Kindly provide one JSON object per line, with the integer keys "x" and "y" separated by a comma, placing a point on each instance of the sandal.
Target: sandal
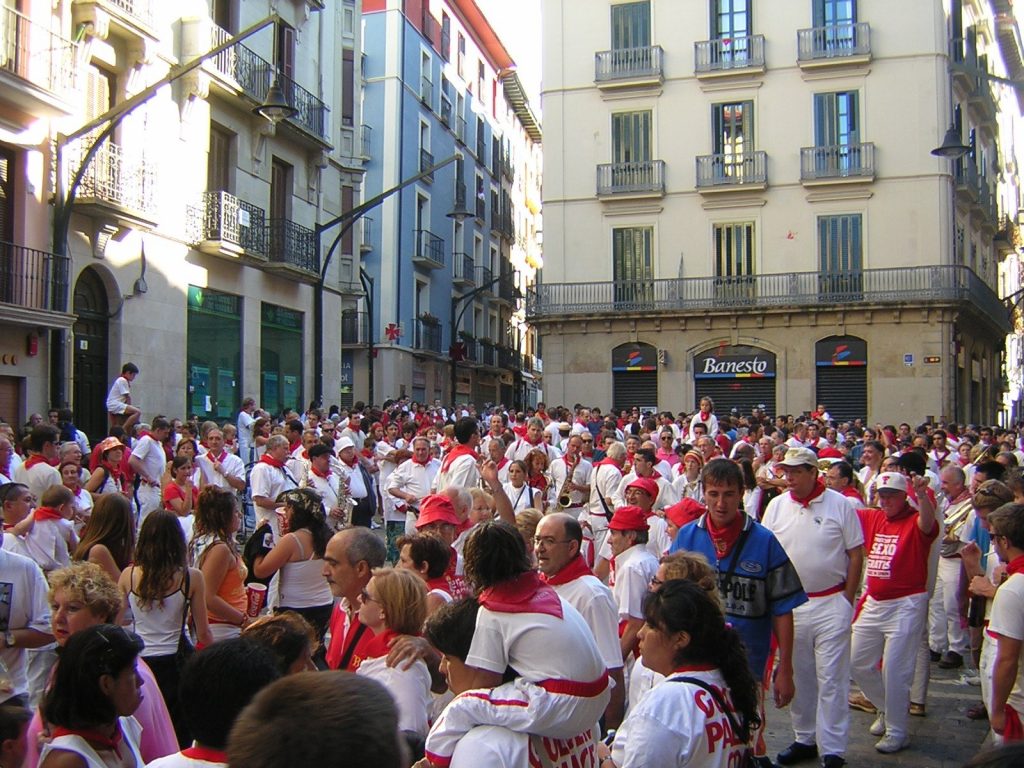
{"x": 977, "y": 712}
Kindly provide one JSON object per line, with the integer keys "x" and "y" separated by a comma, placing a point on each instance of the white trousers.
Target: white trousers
{"x": 821, "y": 673}
{"x": 985, "y": 667}
{"x": 890, "y": 631}
{"x": 945, "y": 632}
{"x": 149, "y": 500}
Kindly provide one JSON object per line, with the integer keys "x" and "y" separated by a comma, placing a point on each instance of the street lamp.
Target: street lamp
{"x": 348, "y": 220}
{"x": 952, "y": 147}
{"x": 274, "y": 109}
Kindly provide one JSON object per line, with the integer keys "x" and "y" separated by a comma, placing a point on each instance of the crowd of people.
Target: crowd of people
{"x": 413, "y": 584}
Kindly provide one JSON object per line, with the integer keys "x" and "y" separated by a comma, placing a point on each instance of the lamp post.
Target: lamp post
{"x": 348, "y": 219}
{"x": 275, "y": 109}
{"x": 455, "y": 318}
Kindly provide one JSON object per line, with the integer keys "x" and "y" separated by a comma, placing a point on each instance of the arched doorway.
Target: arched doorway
{"x": 91, "y": 331}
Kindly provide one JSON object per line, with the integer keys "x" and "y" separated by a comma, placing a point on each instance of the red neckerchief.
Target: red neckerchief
{"x": 1015, "y": 566}
{"x": 90, "y": 734}
{"x": 725, "y": 538}
{"x": 574, "y": 569}
{"x": 525, "y": 593}
{"x": 304, "y": 454}
{"x": 366, "y": 452}
{"x": 694, "y": 668}
{"x": 655, "y": 475}
{"x": 35, "y": 458}
{"x": 379, "y": 645}
{"x": 318, "y": 473}
{"x": 704, "y": 416}
{"x": 528, "y": 441}
{"x": 454, "y": 453}
{"x": 206, "y": 754}
{"x": 440, "y": 583}
{"x": 819, "y": 488}
{"x": 852, "y": 492}
{"x": 503, "y": 462}
{"x": 293, "y": 446}
{"x": 421, "y": 463}
{"x": 47, "y": 513}
{"x": 112, "y": 471}
{"x": 537, "y": 481}
{"x": 266, "y": 458}
{"x": 219, "y": 459}
{"x": 566, "y": 460}
{"x": 78, "y": 492}
{"x": 350, "y": 464}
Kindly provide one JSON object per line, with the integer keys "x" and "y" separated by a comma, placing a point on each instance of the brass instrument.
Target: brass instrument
{"x": 564, "y": 499}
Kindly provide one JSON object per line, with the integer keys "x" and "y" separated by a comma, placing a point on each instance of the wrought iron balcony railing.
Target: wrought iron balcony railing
{"x": 460, "y": 128}
{"x": 33, "y": 279}
{"x": 426, "y": 90}
{"x": 365, "y": 140}
{"x": 222, "y": 217}
{"x": 732, "y": 170}
{"x": 463, "y": 270}
{"x": 117, "y": 178}
{"x": 729, "y": 53}
{"x": 892, "y": 285}
{"x": 838, "y": 161}
{"x": 834, "y": 41}
{"x": 355, "y": 327}
{"x": 644, "y": 176}
{"x": 29, "y": 50}
{"x": 629, "y": 64}
{"x": 428, "y": 337}
{"x": 484, "y": 278}
{"x": 429, "y": 249}
{"x": 293, "y": 245}
{"x": 506, "y": 290}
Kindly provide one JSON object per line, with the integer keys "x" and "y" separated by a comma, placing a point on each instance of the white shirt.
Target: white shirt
{"x": 270, "y": 482}
{"x": 597, "y": 606}
{"x": 326, "y": 487}
{"x": 634, "y": 570}
{"x": 667, "y": 495}
{"x": 38, "y": 477}
{"x": 521, "y": 498}
{"x": 119, "y": 395}
{"x": 711, "y": 424}
{"x": 521, "y": 448}
{"x": 462, "y": 472}
{"x": 244, "y": 424}
{"x": 410, "y": 689}
{"x": 230, "y": 466}
{"x": 603, "y": 484}
{"x": 816, "y": 537}
{"x": 580, "y": 476}
{"x": 178, "y": 760}
{"x": 412, "y": 478}
{"x": 24, "y": 606}
{"x": 492, "y": 746}
{"x": 50, "y": 542}
{"x": 1007, "y": 619}
{"x": 153, "y": 459}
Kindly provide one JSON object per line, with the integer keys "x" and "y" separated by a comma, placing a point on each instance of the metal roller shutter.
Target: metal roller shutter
{"x": 844, "y": 391}
{"x": 743, "y": 394}
{"x": 634, "y": 388}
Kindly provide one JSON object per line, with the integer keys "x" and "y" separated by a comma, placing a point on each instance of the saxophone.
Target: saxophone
{"x": 564, "y": 499}
{"x": 345, "y": 503}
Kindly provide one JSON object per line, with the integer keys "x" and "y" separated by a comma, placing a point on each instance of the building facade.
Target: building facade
{"x": 442, "y": 259}
{"x": 741, "y": 201}
{"x": 191, "y": 248}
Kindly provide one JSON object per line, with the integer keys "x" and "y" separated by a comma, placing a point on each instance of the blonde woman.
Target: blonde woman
{"x": 395, "y": 603}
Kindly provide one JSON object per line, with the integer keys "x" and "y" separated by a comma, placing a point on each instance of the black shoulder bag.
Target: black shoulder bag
{"x": 743, "y": 731}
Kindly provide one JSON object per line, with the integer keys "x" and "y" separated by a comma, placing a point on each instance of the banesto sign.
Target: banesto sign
{"x": 750, "y": 363}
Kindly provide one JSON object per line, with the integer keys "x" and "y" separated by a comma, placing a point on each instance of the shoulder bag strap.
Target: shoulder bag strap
{"x": 351, "y": 649}
{"x": 739, "y": 550}
{"x": 185, "y": 589}
{"x": 743, "y": 731}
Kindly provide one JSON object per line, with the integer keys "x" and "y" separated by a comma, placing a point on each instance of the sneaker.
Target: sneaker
{"x": 889, "y": 744}
{"x": 970, "y": 677}
{"x": 951, "y": 660}
{"x": 934, "y": 655}
{"x": 917, "y": 710}
{"x": 374, "y": 525}
{"x": 797, "y": 753}
{"x": 878, "y": 727}
{"x": 860, "y": 701}
{"x": 832, "y": 761}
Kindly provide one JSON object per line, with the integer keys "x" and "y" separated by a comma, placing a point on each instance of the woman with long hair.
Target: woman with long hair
{"x": 537, "y": 476}
{"x": 180, "y": 494}
{"x": 186, "y": 448}
{"x": 161, "y": 591}
{"x": 298, "y": 556}
{"x": 395, "y": 603}
{"x": 214, "y": 551}
{"x": 708, "y": 687}
{"x": 108, "y": 474}
{"x": 518, "y": 489}
{"x": 95, "y": 692}
{"x": 109, "y": 536}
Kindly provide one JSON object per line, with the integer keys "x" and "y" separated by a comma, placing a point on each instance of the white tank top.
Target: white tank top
{"x": 302, "y": 583}
{"x": 158, "y": 625}
{"x": 130, "y": 729}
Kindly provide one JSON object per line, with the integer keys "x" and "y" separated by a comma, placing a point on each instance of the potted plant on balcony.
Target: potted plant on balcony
{"x": 466, "y": 336}
{"x": 428, "y": 319}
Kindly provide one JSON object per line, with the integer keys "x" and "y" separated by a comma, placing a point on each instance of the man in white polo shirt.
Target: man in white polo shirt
{"x": 220, "y": 468}
{"x": 148, "y": 461}
{"x": 821, "y": 533}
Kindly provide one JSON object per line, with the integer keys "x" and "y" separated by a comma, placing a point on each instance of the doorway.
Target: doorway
{"x": 91, "y": 332}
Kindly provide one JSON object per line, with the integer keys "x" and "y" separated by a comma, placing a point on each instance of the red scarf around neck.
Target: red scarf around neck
{"x": 607, "y": 463}
{"x": 380, "y": 645}
{"x": 1015, "y": 566}
{"x": 351, "y": 464}
{"x": 206, "y": 754}
{"x": 574, "y": 569}
{"x": 816, "y": 491}
{"x": 704, "y": 416}
{"x": 47, "y": 513}
{"x": 318, "y": 473}
{"x": 266, "y": 458}
{"x": 454, "y": 453}
{"x": 725, "y": 538}
{"x": 525, "y": 593}
{"x": 36, "y": 458}
{"x": 94, "y": 736}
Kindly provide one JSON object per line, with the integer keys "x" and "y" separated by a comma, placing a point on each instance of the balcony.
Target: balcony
{"x": 729, "y": 56}
{"x": 485, "y": 281}
{"x": 355, "y": 328}
{"x": 37, "y": 67}
{"x": 292, "y": 248}
{"x": 426, "y": 161}
{"x": 241, "y": 69}
{"x": 643, "y": 178}
{"x": 629, "y": 68}
{"x": 970, "y": 81}
{"x": 506, "y": 291}
{"x": 463, "y": 270}
{"x": 508, "y": 358}
{"x": 834, "y": 44}
{"x": 118, "y": 184}
{"x": 837, "y": 163}
{"x": 488, "y": 353}
{"x": 727, "y": 172}
{"x": 427, "y": 337}
{"x": 965, "y": 179}
{"x": 426, "y": 91}
{"x": 366, "y": 234}
{"x": 365, "y": 141}
{"x": 429, "y": 250}
{"x": 470, "y": 349}
{"x": 33, "y": 284}
{"x": 481, "y": 207}
{"x": 129, "y": 19}
{"x": 222, "y": 225}
{"x": 916, "y": 287}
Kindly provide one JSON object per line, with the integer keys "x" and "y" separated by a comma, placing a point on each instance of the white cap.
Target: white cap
{"x": 343, "y": 443}
{"x": 891, "y": 481}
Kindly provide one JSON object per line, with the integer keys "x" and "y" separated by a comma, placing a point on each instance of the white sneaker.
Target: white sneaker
{"x": 889, "y": 744}
{"x": 878, "y": 727}
{"x": 971, "y": 677}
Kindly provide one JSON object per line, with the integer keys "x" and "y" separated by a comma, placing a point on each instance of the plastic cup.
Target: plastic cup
{"x": 256, "y": 595}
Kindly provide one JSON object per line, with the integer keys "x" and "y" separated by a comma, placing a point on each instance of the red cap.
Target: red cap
{"x": 828, "y": 452}
{"x": 436, "y": 508}
{"x": 629, "y": 518}
{"x": 646, "y": 484}
{"x": 685, "y": 512}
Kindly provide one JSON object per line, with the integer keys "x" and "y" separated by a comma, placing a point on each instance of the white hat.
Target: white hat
{"x": 800, "y": 457}
{"x": 891, "y": 481}
{"x": 343, "y": 443}
{"x": 563, "y": 426}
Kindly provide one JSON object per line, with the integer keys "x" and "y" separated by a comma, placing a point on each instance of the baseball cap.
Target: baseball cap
{"x": 891, "y": 481}
{"x": 992, "y": 493}
{"x": 684, "y": 512}
{"x": 629, "y": 518}
{"x": 436, "y": 508}
{"x": 800, "y": 457}
{"x": 647, "y": 485}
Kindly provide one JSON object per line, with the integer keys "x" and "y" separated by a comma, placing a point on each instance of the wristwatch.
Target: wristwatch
{"x": 9, "y": 639}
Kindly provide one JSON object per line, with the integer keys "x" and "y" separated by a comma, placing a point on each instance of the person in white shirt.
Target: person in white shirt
{"x": 246, "y": 444}
{"x": 579, "y": 484}
{"x": 28, "y": 618}
{"x": 459, "y": 466}
{"x": 519, "y": 492}
{"x": 411, "y": 482}
{"x": 327, "y": 485}
{"x": 633, "y": 570}
{"x": 705, "y": 417}
{"x": 218, "y": 467}
{"x": 643, "y": 467}
{"x": 119, "y": 399}
{"x": 268, "y": 480}
{"x": 149, "y": 461}
{"x": 604, "y": 483}
{"x": 534, "y": 440}
{"x": 390, "y": 452}
{"x": 38, "y": 471}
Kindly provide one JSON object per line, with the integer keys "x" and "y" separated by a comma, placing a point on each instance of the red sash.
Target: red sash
{"x": 206, "y": 754}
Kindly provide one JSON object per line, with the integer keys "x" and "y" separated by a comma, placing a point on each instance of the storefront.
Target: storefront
{"x": 280, "y": 359}
{"x": 740, "y": 377}
{"x": 841, "y": 377}
{"x": 214, "y": 344}
{"x": 635, "y": 377}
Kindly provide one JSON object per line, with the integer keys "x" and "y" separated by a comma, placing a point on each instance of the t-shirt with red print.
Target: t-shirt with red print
{"x": 896, "y": 557}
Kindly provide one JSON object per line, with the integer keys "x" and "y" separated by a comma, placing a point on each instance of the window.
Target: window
{"x": 837, "y": 133}
{"x": 347, "y": 204}
{"x": 348, "y": 87}
{"x": 446, "y": 101}
{"x": 222, "y": 14}
{"x": 840, "y": 254}
{"x": 833, "y": 13}
{"x": 631, "y": 137}
{"x": 631, "y": 25}
{"x": 481, "y": 77}
{"x": 218, "y": 162}
{"x": 731, "y": 26}
{"x": 633, "y": 266}
{"x": 732, "y": 139}
{"x": 481, "y": 198}
{"x": 281, "y": 356}
{"x": 280, "y": 189}
{"x": 460, "y": 120}
{"x": 214, "y": 351}
{"x": 481, "y": 142}
{"x": 461, "y": 56}
{"x": 446, "y": 37}
{"x": 734, "y": 261}
{"x": 286, "y": 51}
{"x": 426, "y": 82}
